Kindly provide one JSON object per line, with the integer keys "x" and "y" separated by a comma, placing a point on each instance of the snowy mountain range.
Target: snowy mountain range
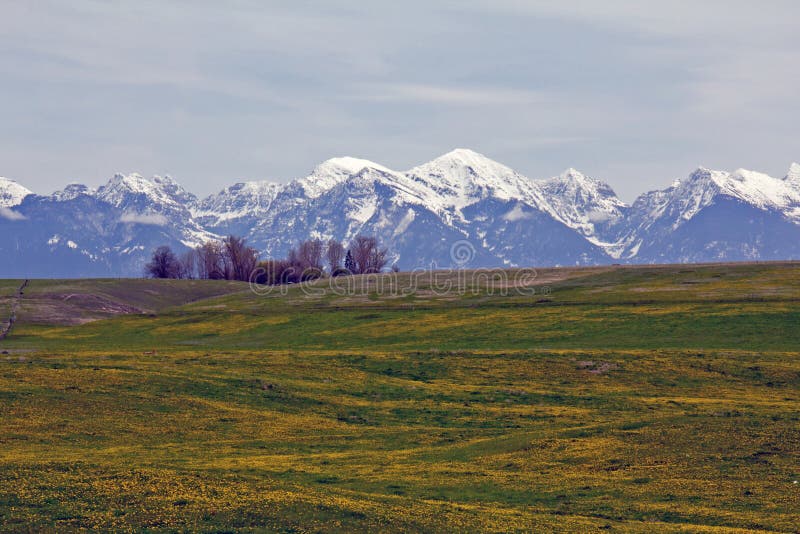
{"x": 507, "y": 218}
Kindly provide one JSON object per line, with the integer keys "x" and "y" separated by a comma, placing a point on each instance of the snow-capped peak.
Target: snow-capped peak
{"x": 695, "y": 193}
{"x": 72, "y": 191}
{"x": 755, "y": 188}
{"x": 332, "y": 172}
{"x": 575, "y": 174}
{"x": 11, "y": 193}
{"x": 463, "y": 166}
{"x": 582, "y": 202}
{"x": 239, "y": 200}
{"x": 572, "y": 181}
{"x": 793, "y": 176}
{"x": 346, "y": 165}
{"x": 762, "y": 190}
{"x": 462, "y": 177}
{"x": 465, "y": 157}
{"x": 122, "y": 190}
{"x": 687, "y": 198}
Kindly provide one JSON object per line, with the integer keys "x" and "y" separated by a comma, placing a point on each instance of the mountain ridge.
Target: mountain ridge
{"x": 507, "y": 218}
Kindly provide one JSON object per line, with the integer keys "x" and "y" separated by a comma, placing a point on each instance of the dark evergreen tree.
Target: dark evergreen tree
{"x": 349, "y": 263}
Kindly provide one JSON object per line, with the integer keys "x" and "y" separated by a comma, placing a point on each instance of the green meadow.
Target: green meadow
{"x": 634, "y": 399}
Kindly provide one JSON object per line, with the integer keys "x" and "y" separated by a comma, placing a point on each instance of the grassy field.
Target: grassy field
{"x": 636, "y": 399}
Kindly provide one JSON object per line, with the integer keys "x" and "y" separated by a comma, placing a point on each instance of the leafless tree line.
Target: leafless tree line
{"x": 233, "y": 259}
{"x": 229, "y": 259}
{"x": 309, "y": 259}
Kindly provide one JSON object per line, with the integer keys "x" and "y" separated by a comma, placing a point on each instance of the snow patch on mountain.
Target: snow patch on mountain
{"x": 362, "y": 209}
{"x": 404, "y": 223}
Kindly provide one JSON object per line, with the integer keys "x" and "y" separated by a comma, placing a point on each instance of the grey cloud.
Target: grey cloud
{"x": 11, "y": 215}
{"x": 155, "y": 219}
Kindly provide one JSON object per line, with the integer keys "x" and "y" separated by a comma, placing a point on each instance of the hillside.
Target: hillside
{"x": 634, "y": 398}
{"x": 69, "y": 302}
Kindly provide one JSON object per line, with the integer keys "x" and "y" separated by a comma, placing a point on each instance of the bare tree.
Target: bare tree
{"x": 163, "y": 264}
{"x": 360, "y": 249}
{"x": 210, "y": 261}
{"x": 367, "y": 256}
{"x": 334, "y": 254}
{"x": 377, "y": 260}
{"x": 274, "y": 272}
{"x": 188, "y": 264}
{"x": 293, "y": 259}
{"x": 310, "y": 254}
{"x": 239, "y": 259}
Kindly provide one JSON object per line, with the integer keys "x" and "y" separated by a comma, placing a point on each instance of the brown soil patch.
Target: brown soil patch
{"x": 70, "y": 309}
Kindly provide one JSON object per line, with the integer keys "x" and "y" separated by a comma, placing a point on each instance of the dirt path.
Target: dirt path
{"x": 6, "y": 328}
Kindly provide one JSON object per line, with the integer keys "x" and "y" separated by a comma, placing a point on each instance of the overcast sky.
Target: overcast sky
{"x": 634, "y": 93}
